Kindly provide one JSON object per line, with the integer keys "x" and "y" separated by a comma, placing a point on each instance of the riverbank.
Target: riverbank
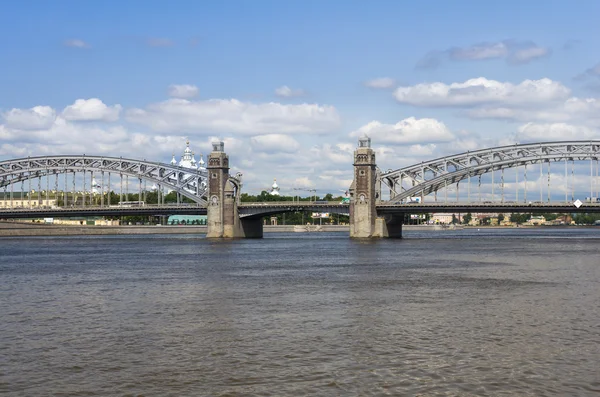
{"x": 23, "y": 229}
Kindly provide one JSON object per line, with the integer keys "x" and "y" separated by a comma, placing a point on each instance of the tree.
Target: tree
{"x": 586, "y": 219}
{"x": 519, "y": 218}
{"x": 500, "y": 218}
{"x": 467, "y": 218}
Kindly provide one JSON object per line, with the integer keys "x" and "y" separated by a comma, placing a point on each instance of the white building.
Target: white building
{"x": 188, "y": 160}
{"x": 274, "y": 189}
{"x": 445, "y": 219}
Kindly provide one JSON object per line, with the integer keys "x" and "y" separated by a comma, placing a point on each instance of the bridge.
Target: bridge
{"x": 419, "y": 188}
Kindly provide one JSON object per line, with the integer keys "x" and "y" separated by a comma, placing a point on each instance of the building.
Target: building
{"x": 536, "y": 220}
{"x": 188, "y": 160}
{"x": 274, "y": 189}
{"x": 444, "y": 219}
{"x": 6, "y": 202}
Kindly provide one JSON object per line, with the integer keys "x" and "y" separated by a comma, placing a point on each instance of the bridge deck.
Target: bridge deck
{"x": 271, "y": 208}
{"x": 558, "y": 207}
{"x": 64, "y": 212}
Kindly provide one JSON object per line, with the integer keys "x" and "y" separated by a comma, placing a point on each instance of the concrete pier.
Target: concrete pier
{"x": 223, "y": 220}
{"x": 364, "y": 195}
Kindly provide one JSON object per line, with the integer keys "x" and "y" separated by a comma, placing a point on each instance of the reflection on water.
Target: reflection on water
{"x": 489, "y": 312}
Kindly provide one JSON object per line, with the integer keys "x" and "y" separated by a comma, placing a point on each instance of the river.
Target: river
{"x": 449, "y": 313}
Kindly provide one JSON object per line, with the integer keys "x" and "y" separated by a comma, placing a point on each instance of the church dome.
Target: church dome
{"x": 187, "y": 159}
{"x": 275, "y": 188}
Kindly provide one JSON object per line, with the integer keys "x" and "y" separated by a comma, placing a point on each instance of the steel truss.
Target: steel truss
{"x": 434, "y": 175}
{"x": 187, "y": 182}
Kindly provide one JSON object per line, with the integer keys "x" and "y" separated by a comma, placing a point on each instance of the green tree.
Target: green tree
{"x": 519, "y": 218}
{"x": 586, "y": 219}
{"x": 467, "y": 218}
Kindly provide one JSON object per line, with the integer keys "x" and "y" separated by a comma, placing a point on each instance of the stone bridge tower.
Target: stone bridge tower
{"x": 223, "y": 220}
{"x": 364, "y": 195}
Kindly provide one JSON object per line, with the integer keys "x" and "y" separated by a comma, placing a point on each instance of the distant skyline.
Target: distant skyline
{"x": 290, "y": 86}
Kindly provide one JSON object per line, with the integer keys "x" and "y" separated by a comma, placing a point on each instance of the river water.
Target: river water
{"x": 455, "y": 313}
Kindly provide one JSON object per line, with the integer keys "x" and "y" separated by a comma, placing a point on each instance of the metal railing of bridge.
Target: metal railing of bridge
{"x": 446, "y": 173}
{"x": 91, "y": 175}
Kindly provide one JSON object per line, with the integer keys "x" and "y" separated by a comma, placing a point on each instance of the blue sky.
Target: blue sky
{"x": 120, "y": 58}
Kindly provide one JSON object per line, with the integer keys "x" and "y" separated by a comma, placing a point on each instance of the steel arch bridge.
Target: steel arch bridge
{"x": 187, "y": 182}
{"x": 431, "y": 176}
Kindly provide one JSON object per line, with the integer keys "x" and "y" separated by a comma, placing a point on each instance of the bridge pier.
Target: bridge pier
{"x": 389, "y": 226}
{"x": 364, "y": 195}
{"x": 223, "y": 220}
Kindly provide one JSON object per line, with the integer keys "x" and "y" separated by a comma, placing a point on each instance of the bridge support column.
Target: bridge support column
{"x": 223, "y": 220}
{"x": 388, "y": 226}
{"x": 364, "y": 194}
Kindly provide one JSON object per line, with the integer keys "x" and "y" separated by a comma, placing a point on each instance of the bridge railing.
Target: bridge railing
{"x": 482, "y": 206}
{"x": 42, "y": 208}
{"x": 293, "y": 203}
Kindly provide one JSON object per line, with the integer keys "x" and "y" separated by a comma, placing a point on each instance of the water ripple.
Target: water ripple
{"x": 464, "y": 314}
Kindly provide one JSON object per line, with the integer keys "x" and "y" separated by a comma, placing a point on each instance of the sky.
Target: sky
{"x": 290, "y": 86}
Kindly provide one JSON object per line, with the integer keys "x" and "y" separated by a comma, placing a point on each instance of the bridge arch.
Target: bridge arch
{"x": 189, "y": 183}
{"x": 431, "y": 176}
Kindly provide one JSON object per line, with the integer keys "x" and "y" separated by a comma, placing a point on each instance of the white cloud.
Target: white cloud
{"x": 480, "y": 51}
{"x": 65, "y": 137}
{"x": 556, "y": 132}
{"x": 551, "y": 113}
{"x": 422, "y": 150}
{"x": 579, "y": 110}
{"x": 36, "y": 118}
{"x": 593, "y": 71}
{"x": 76, "y": 43}
{"x": 303, "y": 182}
{"x": 526, "y": 55}
{"x": 337, "y": 154}
{"x": 286, "y": 92}
{"x": 92, "y": 109}
{"x": 234, "y": 116}
{"x": 482, "y": 91}
{"x": 382, "y": 82}
{"x": 583, "y": 106}
{"x": 513, "y": 51}
{"x": 465, "y": 144}
{"x": 590, "y": 75}
{"x": 182, "y": 91}
{"x": 407, "y": 131}
{"x": 274, "y": 143}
